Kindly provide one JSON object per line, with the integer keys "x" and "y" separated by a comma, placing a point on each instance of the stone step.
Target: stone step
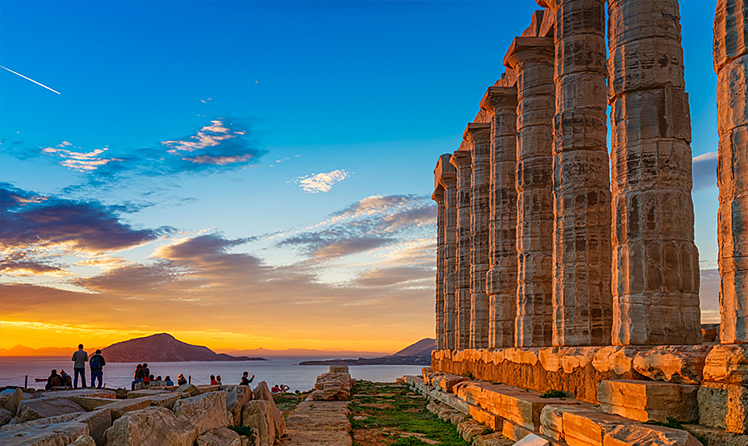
{"x": 649, "y": 400}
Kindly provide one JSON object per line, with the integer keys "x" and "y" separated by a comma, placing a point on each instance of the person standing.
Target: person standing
{"x": 79, "y": 366}
{"x": 96, "y": 363}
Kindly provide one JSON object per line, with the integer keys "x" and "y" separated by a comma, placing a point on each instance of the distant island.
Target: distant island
{"x": 415, "y": 354}
{"x": 164, "y": 347}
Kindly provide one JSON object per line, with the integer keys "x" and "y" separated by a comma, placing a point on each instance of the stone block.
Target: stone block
{"x": 513, "y": 431}
{"x": 5, "y": 416}
{"x": 206, "y": 411}
{"x": 145, "y": 392}
{"x": 715, "y": 437}
{"x": 121, "y": 407}
{"x": 552, "y": 421}
{"x": 98, "y": 422}
{"x": 207, "y": 388}
{"x": 533, "y": 440}
{"x": 188, "y": 388}
{"x": 17, "y": 423}
{"x": 152, "y": 426}
{"x": 637, "y": 434}
{"x": 648, "y": 114}
{"x": 10, "y": 399}
{"x": 44, "y": 435}
{"x": 236, "y": 398}
{"x": 732, "y": 109}
{"x": 485, "y": 417}
{"x": 33, "y": 409}
{"x": 90, "y": 403}
{"x": 727, "y": 363}
{"x": 678, "y": 364}
{"x": 469, "y": 429}
{"x": 166, "y": 400}
{"x": 649, "y": 400}
{"x": 257, "y": 415}
{"x": 730, "y": 36}
{"x": 83, "y": 440}
{"x": 449, "y": 381}
{"x": 589, "y": 428}
{"x": 219, "y": 437}
{"x": 495, "y": 439}
{"x": 339, "y": 369}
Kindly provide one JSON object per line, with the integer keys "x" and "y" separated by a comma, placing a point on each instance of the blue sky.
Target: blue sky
{"x": 299, "y": 136}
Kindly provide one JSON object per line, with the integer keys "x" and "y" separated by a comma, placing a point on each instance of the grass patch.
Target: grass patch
{"x": 671, "y": 422}
{"x": 405, "y": 413}
{"x": 287, "y": 402}
{"x": 244, "y": 430}
{"x": 554, "y": 394}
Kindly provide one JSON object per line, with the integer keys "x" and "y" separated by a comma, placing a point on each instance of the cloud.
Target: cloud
{"x": 222, "y": 145}
{"x": 335, "y": 243}
{"x": 390, "y": 276}
{"x": 321, "y": 182}
{"x": 704, "y": 171}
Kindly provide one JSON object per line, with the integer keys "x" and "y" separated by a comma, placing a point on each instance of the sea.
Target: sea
{"x": 15, "y": 370}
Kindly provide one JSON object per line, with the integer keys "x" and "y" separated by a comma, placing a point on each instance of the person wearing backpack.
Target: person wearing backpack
{"x": 96, "y": 363}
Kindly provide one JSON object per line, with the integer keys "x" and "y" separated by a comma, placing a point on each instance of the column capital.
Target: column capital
{"x": 553, "y": 5}
{"x": 449, "y": 180}
{"x": 524, "y": 49}
{"x": 461, "y": 158}
{"x": 438, "y": 194}
{"x": 499, "y": 97}
{"x": 476, "y": 131}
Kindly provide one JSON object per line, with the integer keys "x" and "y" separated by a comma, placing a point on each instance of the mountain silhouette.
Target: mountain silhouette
{"x": 164, "y": 347}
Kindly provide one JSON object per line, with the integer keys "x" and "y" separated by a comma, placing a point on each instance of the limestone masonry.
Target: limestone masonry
{"x": 563, "y": 265}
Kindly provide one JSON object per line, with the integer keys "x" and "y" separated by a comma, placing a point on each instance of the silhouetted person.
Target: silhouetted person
{"x": 53, "y": 380}
{"x": 79, "y": 367}
{"x": 168, "y": 381}
{"x": 181, "y": 380}
{"x": 96, "y": 363}
{"x": 213, "y": 381}
{"x": 245, "y": 381}
{"x": 218, "y": 380}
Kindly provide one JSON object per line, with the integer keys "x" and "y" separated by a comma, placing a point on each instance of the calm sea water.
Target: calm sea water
{"x": 273, "y": 371}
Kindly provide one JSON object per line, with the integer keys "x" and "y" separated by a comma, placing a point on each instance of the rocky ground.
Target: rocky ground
{"x": 392, "y": 414}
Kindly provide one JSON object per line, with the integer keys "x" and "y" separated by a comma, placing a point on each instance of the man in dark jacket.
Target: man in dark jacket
{"x": 79, "y": 367}
{"x": 96, "y": 363}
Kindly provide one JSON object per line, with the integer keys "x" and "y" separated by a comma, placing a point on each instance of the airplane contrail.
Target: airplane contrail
{"x": 29, "y": 79}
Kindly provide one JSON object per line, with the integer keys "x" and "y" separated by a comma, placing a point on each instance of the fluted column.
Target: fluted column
{"x": 449, "y": 182}
{"x": 656, "y": 263}
{"x": 532, "y": 59}
{"x": 478, "y": 136}
{"x": 731, "y": 65}
{"x": 461, "y": 159}
{"x": 438, "y": 196}
{"x": 582, "y": 300}
{"x": 501, "y": 280}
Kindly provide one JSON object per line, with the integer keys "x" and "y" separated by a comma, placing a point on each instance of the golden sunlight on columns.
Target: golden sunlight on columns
{"x": 438, "y": 196}
{"x": 461, "y": 159}
{"x": 501, "y": 280}
{"x": 449, "y": 183}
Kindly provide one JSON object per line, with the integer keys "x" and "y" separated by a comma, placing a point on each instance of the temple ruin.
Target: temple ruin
{"x": 564, "y": 264}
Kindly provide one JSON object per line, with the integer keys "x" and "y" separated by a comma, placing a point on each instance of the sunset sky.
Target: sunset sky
{"x": 253, "y": 174}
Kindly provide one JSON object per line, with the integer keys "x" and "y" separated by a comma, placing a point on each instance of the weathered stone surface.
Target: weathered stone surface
{"x": 712, "y": 399}
{"x": 152, "y": 426}
{"x": 501, "y": 279}
{"x": 11, "y": 398}
{"x": 206, "y": 411}
{"x": 438, "y": 196}
{"x": 257, "y": 414}
{"x": 90, "y": 403}
{"x": 588, "y": 428}
{"x": 461, "y": 159}
{"x": 447, "y": 382}
{"x": 552, "y": 421}
{"x": 188, "y": 388}
{"x": 730, "y": 36}
{"x": 723, "y": 396}
{"x": 495, "y": 439}
{"x": 221, "y": 436}
{"x": 634, "y": 434}
{"x": 678, "y": 364}
{"x": 582, "y": 299}
{"x": 513, "y": 431}
{"x": 649, "y": 400}
{"x": 98, "y": 422}
{"x": 449, "y": 182}
{"x": 145, "y": 392}
{"x": 17, "y": 423}
{"x": 121, "y": 407}
{"x": 715, "y": 437}
{"x": 5, "y": 416}
{"x": 532, "y": 59}
{"x": 56, "y": 434}
{"x": 469, "y": 429}
{"x": 727, "y": 364}
{"x": 533, "y": 440}
{"x": 89, "y": 392}
{"x": 33, "y": 409}
{"x": 166, "y": 400}
{"x": 236, "y": 398}
{"x": 84, "y": 440}
{"x": 485, "y": 417}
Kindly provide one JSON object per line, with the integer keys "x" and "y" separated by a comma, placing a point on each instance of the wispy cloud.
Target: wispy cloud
{"x": 321, "y": 182}
{"x": 80, "y": 161}
{"x": 705, "y": 171}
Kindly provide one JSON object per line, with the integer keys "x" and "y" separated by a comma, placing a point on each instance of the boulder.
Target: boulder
{"x": 207, "y": 411}
{"x": 236, "y": 398}
{"x": 44, "y": 435}
{"x": 152, "y": 426}
{"x": 17, "y": 424}
{"x": 144, "y": 392}
{"x": 221, "y": 436}
{"x": 83, "y": 440}
{"x": 257, "y": 414}
{"x": 207, "y": 388}
{"x": 5, "y": 416}
{"x": 10, "y": 399}
{"x": 33, "y": 409}
{"x": 188, "y": 388}
{"x": 90, "y": 403}
{"x": 634, "y": 434}
{"x": 98, "y": 422}
{"x": 166, "y": 400}
{"x": 121, "y": 407}
{"x": 261, "y": 392}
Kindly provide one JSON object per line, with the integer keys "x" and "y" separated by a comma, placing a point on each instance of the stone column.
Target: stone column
{"x": 731, "y": 65}
{"x": 532, "y": 59}
{"x": 438, "y": 196}
{"x": 461, "y": 159}
{"x": 449, "y": 182}
{"x": 582, "y": 301}
{"x": 501, "y": 280}
{"x": 656, "y": 263}
{"x": 478, "y": 136}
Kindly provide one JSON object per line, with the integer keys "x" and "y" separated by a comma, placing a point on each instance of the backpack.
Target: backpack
{"x": 95, "y": 362}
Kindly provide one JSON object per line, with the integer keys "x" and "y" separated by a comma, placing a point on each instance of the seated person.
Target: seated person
{"x": 245, "y": 381}
{"x": 213, "y": 381}
{"x": 275, "y": 389}
{"x": 168, "y": 381}
{"x": 65, "y": 379}
{"x": 181, "y": 380}
{"x": 53, "y": 380}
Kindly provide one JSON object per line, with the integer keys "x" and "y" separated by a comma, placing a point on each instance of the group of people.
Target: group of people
{"x": 279, "y": 388}
{"x": 96, "y": 364}
{"x": 144, "y": 378}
